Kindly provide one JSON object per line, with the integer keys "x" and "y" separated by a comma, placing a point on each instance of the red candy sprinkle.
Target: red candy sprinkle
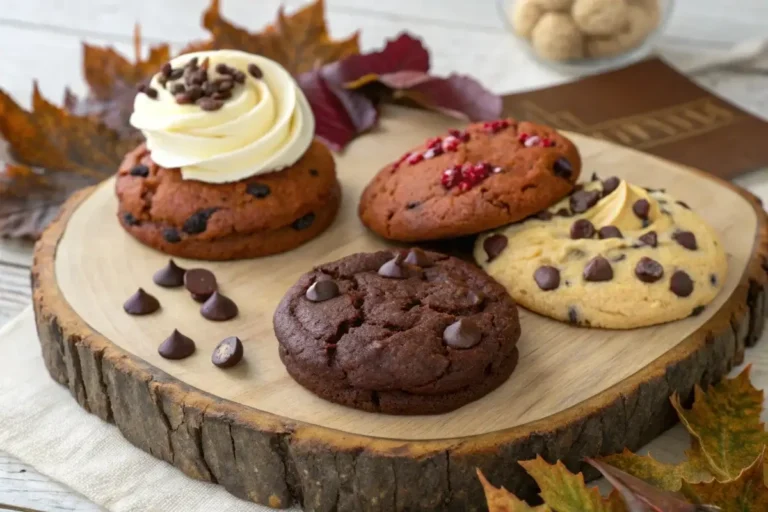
{"x": 415, "y": 158}
{"x": 522, "y": 137}
{"x": 496, "y": 126}
{"x": 451, "y": 143}
{"x": 434, "y": 142}
{"x": 529, "y": 141}
{"x": 467, "y": 175}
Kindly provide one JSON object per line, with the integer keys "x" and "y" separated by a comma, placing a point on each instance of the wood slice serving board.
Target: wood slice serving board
{"x": 576, "y": 392}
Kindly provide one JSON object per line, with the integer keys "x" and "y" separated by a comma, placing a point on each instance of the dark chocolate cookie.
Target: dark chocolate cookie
{"x": 462, "y": 183}
{"x": 419, "y": 333}
{"x": 261, "y": 215}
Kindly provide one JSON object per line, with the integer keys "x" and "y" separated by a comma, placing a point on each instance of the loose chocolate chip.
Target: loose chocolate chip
{"x": 573, "y": 315}
{"x": 218, "y": 308}
{"x": 598, "y": 269}
{"x": 648, "y": 270}
{"x": 563, "y": 168}
{"x": 493, "y": 246}
{"x": 582, "y": 228}
{"x": 129, "y": 219}
{"x": 713, "y": 279}
{"x": 564, "y": 212}
{"x": 171, "y": 235}
{"x": 697, "y": 311}
{"x": 323, "y": 290}
{"x": 303, "y": 222}
{"x": 142, "y": 171}
{"x": 141, "y": 303}
{"x": 170, "y": 276}
{"x": 548, "y": 278}
{"x": 210, "y": 104}
{"x": 641, "y": 208}
{"x": 609, "y": 232}
{"x": 418, "y": 258}
{"x": 463, "y": 333}
{"x": 412, "y": 204}
{"x": 228, "y": 352}
{"x": 199, "y": 298}
{"x": 176, "y": 346}
{"x": 258, "y": 190}
{"x": 544, "y": 215}
{"x": 394, "y": 268}
{"x": 681, "y": 284}
{"x": 686, "y": 239}
{"x": 610, "y": 184}
{"x": 650, "y": 239}
{"x": 314, "y": 172}
{"x": 684, "y": 205}
{"x": 198, "y": 221}
{"x": 583, "y": 200}
{"x": 200, "y": 282}
{"x": 255, "y": 71}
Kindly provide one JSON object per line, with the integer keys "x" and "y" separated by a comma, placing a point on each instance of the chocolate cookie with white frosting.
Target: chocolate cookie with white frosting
{"x": 229, "y": 168}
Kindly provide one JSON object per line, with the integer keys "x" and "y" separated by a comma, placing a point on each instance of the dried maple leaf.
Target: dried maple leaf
{"x": 300, "y": 41}
{"x": 746, "y": 493}
{"x": 564, "y": 491}
{"x": 668, "y": 477}
{"x": 333, "y": 125}
{"x": 639, "y": 495}
{"x": 726, "y": 422}
{"x": 501, "y": 500}
{"x": 58, "y": 153}
{"x": 113, "y": 81}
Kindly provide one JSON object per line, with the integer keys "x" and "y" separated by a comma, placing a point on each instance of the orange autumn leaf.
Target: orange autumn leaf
{"x": 299, "y": 41}
{"x": 501, "y": 500}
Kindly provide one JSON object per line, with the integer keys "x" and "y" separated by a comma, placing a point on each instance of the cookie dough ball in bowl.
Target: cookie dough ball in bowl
{"x": 524, "y": 17}
{"x": 600, "y": 17}
{"x": 556, "y": 37}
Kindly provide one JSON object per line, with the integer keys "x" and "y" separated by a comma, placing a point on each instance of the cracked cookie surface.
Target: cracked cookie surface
{"x": 612, "y": 255}
{"x": 465, "y": 182}
{"x": 264, "y": 214}
{"x": 378, "y": 343}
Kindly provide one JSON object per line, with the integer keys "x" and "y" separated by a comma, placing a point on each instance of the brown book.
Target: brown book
{"x": 651, "y": 107}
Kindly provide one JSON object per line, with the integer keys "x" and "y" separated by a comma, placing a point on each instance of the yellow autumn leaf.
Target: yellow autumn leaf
{"x": 501, "y": 500}
{"x": 746, "y": 493}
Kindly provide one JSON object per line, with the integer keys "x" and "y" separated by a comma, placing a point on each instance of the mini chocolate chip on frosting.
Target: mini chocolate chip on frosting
{"x": 640, "y": 269}
{"x": 224, "y": 115}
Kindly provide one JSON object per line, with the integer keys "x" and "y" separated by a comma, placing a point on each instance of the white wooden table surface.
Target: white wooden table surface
{"x": 40, "y": 39}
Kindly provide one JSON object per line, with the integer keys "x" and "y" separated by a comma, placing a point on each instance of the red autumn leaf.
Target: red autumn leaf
{"x": 333, "y": 124}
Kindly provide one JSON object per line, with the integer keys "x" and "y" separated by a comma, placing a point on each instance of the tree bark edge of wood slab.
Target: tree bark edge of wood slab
{"x": 264, "y": 458}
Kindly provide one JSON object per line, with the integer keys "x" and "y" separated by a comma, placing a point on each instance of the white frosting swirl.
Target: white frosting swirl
{"x": 265, "y": 126}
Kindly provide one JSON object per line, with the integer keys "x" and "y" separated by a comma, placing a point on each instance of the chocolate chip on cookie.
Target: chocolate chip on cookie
{"x": 418, "y": 258}
{"x": 685, "y": 239}
{"x": 650, "y": 239}
{"x": 681, "y": 284}
{"x": 609, "y": 232}
{"x": 494, "y": 245}
{"x": 461, "y": 334}
{"x": 198, "y": 222}
{"x": 258, "y": 190}
{"x": 385, "y": 345}
{"x": 130, "y": 220}
{"x": 543, "y": 215}
{"x": 598, "y": 269}
{"x": 610, "y": 184}
{"x": 641, "y": 208}
{"x": 395, "y": 268}
{"x": 582, "y": 228}
{"x": 648, "y": 270}
{"x": 140, "y": 170}
{"x": 583, "y": 200}
{"x": 322, "y": 290}
{"x": 547, "y": 277}
{"x": 304, "y": 222}
{"x": 698, "y": 310}
{"x": 563, "y": 168}
{"x": 171, "y": 235}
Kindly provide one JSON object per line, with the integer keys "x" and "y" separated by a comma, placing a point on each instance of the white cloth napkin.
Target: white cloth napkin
{"x": 41, "y": 424}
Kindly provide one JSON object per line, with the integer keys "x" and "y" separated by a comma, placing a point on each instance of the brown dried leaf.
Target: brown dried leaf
{"x": 300, "y": 41}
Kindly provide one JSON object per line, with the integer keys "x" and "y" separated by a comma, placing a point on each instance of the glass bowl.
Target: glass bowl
{"x": 586, "y": 36}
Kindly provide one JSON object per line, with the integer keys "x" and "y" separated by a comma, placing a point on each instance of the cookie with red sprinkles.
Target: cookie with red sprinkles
{"x": 467, "y": 181}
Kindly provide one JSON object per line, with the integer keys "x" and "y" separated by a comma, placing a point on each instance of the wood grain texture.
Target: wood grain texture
{"x": 270, "y": 460}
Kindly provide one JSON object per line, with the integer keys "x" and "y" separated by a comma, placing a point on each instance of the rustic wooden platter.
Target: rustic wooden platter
{"x": 576, "y": 392}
